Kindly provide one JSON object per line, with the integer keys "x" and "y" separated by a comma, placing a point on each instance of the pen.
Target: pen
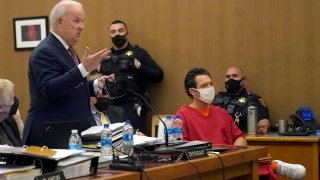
{"x": 137, "y": 131}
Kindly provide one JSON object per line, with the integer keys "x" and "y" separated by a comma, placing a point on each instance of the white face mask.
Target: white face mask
{"x": 206, "y": 94}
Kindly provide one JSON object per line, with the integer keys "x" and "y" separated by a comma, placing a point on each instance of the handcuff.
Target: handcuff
{"x": 236, "y": 119}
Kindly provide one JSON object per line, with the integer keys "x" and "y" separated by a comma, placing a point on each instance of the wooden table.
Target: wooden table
{"x": 292, "y": 149}
{"x": 238, "y": 163}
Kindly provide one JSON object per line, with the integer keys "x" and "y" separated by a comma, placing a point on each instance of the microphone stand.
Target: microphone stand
{"x": 121, "y": 165}
{"x": 164, "y": 149}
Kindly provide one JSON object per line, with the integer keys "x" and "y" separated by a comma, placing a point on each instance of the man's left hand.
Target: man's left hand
{"x": 263, "y": 126}
{"x": 137, "y": 63}
{"x": 101, "y": 84}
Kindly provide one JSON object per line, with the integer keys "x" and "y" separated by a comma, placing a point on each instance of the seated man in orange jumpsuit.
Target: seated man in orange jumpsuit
{"x": 203, "y": 121}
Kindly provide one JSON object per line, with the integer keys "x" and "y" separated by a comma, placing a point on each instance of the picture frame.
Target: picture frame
{"x": 29, "y": 31}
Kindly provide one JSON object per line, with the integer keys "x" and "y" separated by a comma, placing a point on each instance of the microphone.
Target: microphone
{"x": 164, "y": 149}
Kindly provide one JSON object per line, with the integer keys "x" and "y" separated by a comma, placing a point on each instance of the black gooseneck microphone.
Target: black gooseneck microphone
{"x": 161, "y": 150}
{"x": 164, "y": 149}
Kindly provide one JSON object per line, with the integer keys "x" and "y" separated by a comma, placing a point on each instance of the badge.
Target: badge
{"x": 129, "y": 53}
{"x": 242, "y": 100}
{"x": 262, "y": 102}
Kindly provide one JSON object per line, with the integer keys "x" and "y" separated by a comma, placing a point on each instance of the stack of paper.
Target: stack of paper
{"x": 145, "y": 140}
{"x": 64, "y": 153}
{"x": 95, "y": 132}
{"x": 69, "y": 161}
{"x": 75, "y": 166}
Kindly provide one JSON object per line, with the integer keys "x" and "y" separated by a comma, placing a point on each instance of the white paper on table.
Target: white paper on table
{"x": 14, "y": 168}
{"x": 138, "y": 140}
{"x": 73, "y": 160}
{"x": 97, "y": 129}
{"x": 63, "y": 153}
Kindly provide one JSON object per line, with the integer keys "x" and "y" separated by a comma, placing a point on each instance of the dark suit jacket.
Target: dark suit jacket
{"x": 10, "y": 128}
{"x": 58, "y": 92}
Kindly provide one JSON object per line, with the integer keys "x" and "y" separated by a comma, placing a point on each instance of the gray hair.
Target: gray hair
{"x": 60, "y": 9}
{"x": 6, "y": 87}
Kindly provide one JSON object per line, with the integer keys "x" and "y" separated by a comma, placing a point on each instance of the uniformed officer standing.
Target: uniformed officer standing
{"x": 133, "y": 68}
{"x": 236, "y": 101}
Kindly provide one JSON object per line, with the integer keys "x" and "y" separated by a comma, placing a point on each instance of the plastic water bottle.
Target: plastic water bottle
{"x": 177, "y": 126}
{"x": 127, "y": 138}
{"x": 170, "y": 132}
{"x": 106, "y": 142}
{"x": 75, "y": 142}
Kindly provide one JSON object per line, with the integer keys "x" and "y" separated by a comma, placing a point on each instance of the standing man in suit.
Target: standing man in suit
{"x": 59, "y": 90}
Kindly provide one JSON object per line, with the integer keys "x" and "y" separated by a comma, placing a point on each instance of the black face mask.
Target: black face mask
{"x": 14, "y": 107}
{"x": 101, "y": 104}
{"x": 119, "y": 40}
{"x": 233, "y": 85}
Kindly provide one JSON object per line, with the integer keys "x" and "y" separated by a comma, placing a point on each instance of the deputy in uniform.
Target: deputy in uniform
{"x": 237, "y": 99}
{"x": 133, "y": 67}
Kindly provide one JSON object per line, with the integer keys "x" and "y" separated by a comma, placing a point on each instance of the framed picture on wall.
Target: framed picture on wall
{"x": 29, "y": 31}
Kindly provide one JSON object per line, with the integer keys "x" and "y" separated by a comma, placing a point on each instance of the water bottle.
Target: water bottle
{"x": 106, "y": 142}
{"x": 170, "y": 132}
{"x": 252, "y": 117}
{"x": 75, "y": 142}
{"x": 127, "y": 138}
{"x": 177, "y": 126}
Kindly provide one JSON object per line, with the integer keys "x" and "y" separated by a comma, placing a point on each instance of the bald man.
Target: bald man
{"x": 237, "y": 99}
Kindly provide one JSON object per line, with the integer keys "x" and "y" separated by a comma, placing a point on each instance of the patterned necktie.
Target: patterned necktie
{"x": 73, "y": 55}
{"x": 103, "y": 118}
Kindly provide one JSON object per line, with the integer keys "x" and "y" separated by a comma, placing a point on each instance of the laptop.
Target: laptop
{"x": 56, "y": 134}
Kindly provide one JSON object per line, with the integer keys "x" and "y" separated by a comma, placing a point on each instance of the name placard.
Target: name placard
{"x": 194, "y": 153}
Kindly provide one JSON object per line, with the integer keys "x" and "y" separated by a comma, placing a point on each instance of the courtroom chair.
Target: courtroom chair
{"x": 155, "y": 124}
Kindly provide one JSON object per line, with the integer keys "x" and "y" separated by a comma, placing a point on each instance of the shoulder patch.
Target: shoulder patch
{"x": 262, "y": 102}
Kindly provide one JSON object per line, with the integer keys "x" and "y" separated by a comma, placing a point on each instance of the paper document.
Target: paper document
{"x": 14, "y": 168}
{"x": 6, "y": 147}
{"x": 96, "y": 130}
{"x": 73, "y": 160}
{"x": 139, "y": 140}
{"x": 76, "y": 170}
{"x": 63, "y": 153}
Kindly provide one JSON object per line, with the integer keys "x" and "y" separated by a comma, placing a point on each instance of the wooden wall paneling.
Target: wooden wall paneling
{"x": 276, "y": 42}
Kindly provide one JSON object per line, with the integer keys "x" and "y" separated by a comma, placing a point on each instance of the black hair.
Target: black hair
{"x": 119, "y": 22}
{"x": 190, "y": 79}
